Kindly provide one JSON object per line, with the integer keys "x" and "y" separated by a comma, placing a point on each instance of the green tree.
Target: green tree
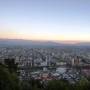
{"x": 83, "y": 84}
{"x": 25, "y": 85}
{"x": 8, "y": 81}
{"x": 11, "y": 65}
{"x": 58, "y": 85}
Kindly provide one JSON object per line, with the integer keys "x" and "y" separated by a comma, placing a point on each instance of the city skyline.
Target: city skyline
{"x": 64, "y": 20}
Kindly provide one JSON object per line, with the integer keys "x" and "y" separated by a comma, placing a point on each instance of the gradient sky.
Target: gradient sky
{"x": 45, "y": 19}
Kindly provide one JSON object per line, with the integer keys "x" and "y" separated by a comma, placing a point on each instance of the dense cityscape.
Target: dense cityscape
{"x": 48, "y": 64}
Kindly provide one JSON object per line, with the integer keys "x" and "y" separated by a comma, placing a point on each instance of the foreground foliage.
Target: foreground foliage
{"x": 10, "y": 81}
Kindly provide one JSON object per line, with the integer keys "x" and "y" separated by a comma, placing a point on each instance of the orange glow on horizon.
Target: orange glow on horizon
{"x": 13, "y": 34}
{"x": 41, "y": 38}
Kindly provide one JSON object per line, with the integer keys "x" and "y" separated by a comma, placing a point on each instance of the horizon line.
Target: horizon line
{"x": 45, "y": 40}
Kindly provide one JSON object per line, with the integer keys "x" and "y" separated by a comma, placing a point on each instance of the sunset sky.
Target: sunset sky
{"x": 45, "y": 19}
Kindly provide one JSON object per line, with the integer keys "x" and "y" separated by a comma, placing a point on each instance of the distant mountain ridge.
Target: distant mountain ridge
{"x": 11, "y": 42}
